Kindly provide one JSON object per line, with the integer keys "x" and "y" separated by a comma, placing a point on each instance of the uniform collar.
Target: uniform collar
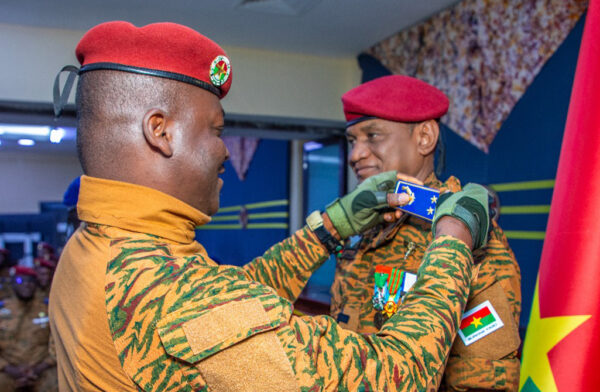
{"x": 137, "y": 208}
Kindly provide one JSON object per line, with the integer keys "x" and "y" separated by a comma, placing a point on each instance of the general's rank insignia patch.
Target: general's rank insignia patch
{"x": 422, "y": 200}
{"x": 479, "y": 322}
{"x": 220, "y": 70}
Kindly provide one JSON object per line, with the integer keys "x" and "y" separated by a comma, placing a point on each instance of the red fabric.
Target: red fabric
{"x": 39, "y": 262}
{"x": 396, "y": 98}
{"x": 20, "y": 270}
{"x": 46, "y": 246}
{"x": 160, "y": 46}
{"x": 570, "y": 264}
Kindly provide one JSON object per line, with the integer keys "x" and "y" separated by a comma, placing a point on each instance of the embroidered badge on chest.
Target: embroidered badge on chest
{"x": 479, "y": 322}
{"x": 391, "y": 284}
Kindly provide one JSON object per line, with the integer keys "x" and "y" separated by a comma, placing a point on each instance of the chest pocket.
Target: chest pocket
{"x": 234, "y": 344}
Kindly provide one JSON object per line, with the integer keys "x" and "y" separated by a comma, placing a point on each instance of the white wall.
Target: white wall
{"x": 27, "y": 178}
{"x": 265, "y": 82}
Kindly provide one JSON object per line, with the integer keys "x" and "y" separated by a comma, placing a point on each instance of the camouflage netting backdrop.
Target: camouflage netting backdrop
{"x": 483, "y": 54}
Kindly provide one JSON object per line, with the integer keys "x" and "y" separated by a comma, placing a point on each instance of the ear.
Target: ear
{"x": 427, "y": 133}
{"x": 156, "y": 131}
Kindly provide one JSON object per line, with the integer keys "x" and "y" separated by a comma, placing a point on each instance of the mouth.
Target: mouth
{"x": 364, "y": 172}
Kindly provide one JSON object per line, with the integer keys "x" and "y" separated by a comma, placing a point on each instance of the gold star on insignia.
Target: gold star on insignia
{"x": 476, "y": 322}
{"x": 542, "y": 335}
{"x": 430, "y": 211}
{"x": 434, "y": 199}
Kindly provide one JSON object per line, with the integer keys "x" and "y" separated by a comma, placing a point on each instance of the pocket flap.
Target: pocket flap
{"x": 196, "y": 332}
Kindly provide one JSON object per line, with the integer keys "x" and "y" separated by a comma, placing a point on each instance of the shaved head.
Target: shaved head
{"x": 110, "y": 108}
{"x": 152, "y": 131}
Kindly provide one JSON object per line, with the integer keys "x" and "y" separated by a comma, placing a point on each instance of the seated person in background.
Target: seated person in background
{"x": 393, "y": 125}
{"x": 45, "y": 251}
{"x": 137, "y": 304}
{"x": 44, "y": 269}
{"x": 5, "y": 289}
{"x": 24, "y": 336}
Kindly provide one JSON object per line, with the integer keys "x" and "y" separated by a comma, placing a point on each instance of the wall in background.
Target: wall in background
{"x": 28, "y": 178}
{"x": 265, "y": 82}
{"x": 527, "y": 148}
{"x": 264, "y": 193}
{"x": 523, "y": 158}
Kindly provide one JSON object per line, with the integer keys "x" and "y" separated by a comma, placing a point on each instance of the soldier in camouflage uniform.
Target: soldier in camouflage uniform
{"x": 392, "y": 126}
{"x": 24, "y": 337}
{"x": 137, "y": 304}
{"x": 5, "y": 289}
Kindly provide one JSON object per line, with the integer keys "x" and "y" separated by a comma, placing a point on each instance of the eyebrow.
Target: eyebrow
{"x": 365, "y": 128}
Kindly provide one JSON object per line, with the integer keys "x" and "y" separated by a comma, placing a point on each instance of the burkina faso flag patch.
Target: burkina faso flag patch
{"x": 479, "y": 322}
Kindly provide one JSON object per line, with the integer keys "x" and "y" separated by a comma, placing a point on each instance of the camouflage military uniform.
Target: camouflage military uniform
{"x": 137, "y": 304}
{"x": 24, "y": 338}
{"x": 402, "y": 245}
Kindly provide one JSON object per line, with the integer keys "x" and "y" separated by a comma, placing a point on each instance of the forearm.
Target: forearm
{"x": 288, "y": 265}
{"x": 410, "y": 351}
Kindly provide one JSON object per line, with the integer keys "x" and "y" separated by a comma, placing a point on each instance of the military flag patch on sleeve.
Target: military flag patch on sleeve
{"x": 479, "y": 322}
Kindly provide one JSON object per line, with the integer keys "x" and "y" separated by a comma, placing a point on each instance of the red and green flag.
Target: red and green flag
{"x": 478, "y": 322}
{"x": 562, "y": 346}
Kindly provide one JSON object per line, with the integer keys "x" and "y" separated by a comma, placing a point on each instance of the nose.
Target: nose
{"x": 358, "y": 151}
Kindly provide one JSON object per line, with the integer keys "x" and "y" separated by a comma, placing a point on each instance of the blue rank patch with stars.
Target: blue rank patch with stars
{"x": 422, "y": 199}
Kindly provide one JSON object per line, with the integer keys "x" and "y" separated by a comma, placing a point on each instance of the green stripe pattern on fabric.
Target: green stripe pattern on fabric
{"x": 230, "y": 218}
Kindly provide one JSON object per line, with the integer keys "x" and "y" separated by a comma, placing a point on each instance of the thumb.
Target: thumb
{"x": 397, "y": 199}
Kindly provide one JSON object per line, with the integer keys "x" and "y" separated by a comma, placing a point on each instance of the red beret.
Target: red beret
{"x": 396, "y": 98}
{"x": 20, "y": 270}
{"x": 45, "y": 246}
{"x": 165, "y": 50}
{"x": 39, "y": 262}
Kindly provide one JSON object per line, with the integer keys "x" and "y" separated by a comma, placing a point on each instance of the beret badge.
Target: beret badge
{"x": 220, "y": 70}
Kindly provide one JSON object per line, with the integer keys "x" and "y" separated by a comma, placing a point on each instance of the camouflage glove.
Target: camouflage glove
{"x": 470, "y": 206}
{"x": 360, "y": 209}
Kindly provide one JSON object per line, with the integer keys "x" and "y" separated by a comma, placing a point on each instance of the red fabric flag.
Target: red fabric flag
{"x": 562, "y": 346}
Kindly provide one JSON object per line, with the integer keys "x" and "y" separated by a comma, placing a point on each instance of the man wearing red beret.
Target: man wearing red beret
{"x": 25, "y": 361}
{"x": 393, "y": 125}
{"x": 137, "y": 304}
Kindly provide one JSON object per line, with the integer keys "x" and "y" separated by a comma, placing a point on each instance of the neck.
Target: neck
{"x": 426, "y": 169}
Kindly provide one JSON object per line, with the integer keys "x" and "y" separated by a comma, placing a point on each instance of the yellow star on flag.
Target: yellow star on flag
{"x": 542, "y": 335}
{"x": 433, "y": 199}
{"x": 476, "y": 322}
{"x": 429, "y": 211}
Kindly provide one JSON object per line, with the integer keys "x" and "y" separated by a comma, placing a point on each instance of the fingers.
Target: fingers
{"x": 397, "y": 199}
{"x": 392, "y": 216}
{"x": 404, "y": 177}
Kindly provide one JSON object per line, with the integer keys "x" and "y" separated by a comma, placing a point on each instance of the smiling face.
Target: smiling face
{"x": 379, "y": 145}
{"x": 199, "y": 152}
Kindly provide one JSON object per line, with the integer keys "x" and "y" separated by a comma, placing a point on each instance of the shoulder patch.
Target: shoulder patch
{"x": 488, "y": 327}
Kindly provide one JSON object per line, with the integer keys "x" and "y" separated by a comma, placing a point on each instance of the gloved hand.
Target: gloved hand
{"x": 471, "y": 207}
{"x": 361, "y": 209}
